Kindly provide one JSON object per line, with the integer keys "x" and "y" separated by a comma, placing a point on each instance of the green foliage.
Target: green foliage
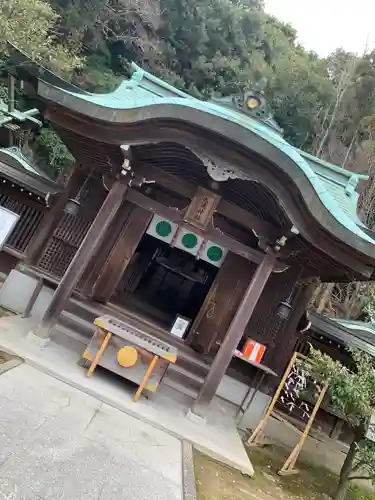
{"x": 96, "y": 76}
{"x": 29, "y": 24}
{"x": 352, "y": 391}
{"x": 211, "y": 45}
{"x": 203, "y": 47}
{"x": 206, "y": 48}
{"x": 299, "y": 87}
{"x": 52, "y": 152}
{"x": 352, "y": 394}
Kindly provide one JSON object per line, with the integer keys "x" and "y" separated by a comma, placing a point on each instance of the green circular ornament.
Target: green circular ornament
{"x": 163, "y": 229}
{"x": 215, "y": 254}
{"x": 189, "y": 240}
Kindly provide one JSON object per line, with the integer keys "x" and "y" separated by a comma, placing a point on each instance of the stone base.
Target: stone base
{"x": 37, "y": 341}
{"x": 193, "y": 417}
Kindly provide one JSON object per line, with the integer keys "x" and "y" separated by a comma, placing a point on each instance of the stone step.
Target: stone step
{"x": 78, "y": 324}
{"x": 180, "y": 387}
{"x": 185, "y": 381}
{"x": 69, "y": 338}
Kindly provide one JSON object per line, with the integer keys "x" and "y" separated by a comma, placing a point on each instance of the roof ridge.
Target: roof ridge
{"x": 140, "y": 76}
{"x": 331, "y": 166}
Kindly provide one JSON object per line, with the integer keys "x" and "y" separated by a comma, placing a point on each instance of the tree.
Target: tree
{"x": 203, "y": 47}
{"x": 356, "y": 300}
{"x": 51, "y": 153}
{"x": 30, "y": 25}
{"x": 341, "y": 69}
{"x": 299, "y": 88}
{"x": 352, "y": 393}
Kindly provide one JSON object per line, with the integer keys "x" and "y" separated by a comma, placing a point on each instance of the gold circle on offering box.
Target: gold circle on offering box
{"x": 127, "y": 356}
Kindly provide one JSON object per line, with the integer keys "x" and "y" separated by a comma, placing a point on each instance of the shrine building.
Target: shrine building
{"x": 179, "y": 208}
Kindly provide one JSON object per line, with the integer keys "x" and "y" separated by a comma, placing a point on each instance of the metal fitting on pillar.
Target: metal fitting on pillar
{"x": 126, "y": 164}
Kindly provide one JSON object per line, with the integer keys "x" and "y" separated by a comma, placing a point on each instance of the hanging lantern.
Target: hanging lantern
{"x": 284, "y": 309}
{"x": 72, "y": 207}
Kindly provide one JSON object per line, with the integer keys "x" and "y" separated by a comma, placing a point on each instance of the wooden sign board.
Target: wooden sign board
{"x": 201, "y": 208}
{"x": 8, "y": 220}
{"x": 180, "y": 326}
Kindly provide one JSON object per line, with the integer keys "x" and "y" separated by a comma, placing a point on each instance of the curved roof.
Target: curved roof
{"x": 355, "y": 334}
{"x": 328, "y": 192}
{"x": 16, "y": 167}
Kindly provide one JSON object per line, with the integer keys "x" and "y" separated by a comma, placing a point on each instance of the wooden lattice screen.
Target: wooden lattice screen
{"x": 63, "y": 244}
{"x": 71, "y": 230}
{"x": 265, "y": 325}
{"x": 30, "y": 218}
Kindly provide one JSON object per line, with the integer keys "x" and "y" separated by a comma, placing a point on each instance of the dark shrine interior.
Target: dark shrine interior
{"x": 163, "y": 281}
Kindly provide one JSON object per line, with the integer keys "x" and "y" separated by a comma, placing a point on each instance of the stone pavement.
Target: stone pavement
{"x": 217, "y": 436}
{"x": 59, "y": 443}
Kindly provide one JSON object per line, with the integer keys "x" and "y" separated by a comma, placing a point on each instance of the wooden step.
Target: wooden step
{"x": 193, "y": 365}
{"x": 75, "y": 328}
{"x": 187, "y": 374}
{"x": 187, "y": 380}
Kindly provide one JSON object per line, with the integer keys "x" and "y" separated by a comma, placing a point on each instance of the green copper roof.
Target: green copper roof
{"x": 355, "y": 334}
{"x": 328, "y": 192}
{"x": 15, "y": 167}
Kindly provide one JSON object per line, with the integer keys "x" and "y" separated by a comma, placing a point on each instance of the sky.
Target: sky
{"x": 324, "y": 25}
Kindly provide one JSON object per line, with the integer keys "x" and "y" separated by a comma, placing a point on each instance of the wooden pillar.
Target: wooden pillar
{"x": 234, "y": 335}
{"x": 82, "y": 257}
{"x": 52, "y": 218}
{"x": 121, "y": 254}
{"x": 95, "y": 267}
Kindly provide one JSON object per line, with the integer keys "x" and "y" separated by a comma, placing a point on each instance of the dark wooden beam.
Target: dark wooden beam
{"x": 167, "y": 180}
{"x": 93, "y": 270}
{"x": 89, "y": 245}
{"x": 252, "y": 222}
{"x": 212, "y": 234}
{"x": 225, "y": 208}
{"x": 234, "y": 334}
{"x": 220, "y": 238}
{"x": 143, "y": 201}
{"x": 10, "y": 188}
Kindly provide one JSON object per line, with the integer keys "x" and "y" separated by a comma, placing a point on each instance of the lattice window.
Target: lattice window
{"x": 63, "y": 245}
{"x": 30, "y": 218}
{"x": 71, "y": 230}
{"x": 265, "y": 325}
{"x": 56, "y": 257}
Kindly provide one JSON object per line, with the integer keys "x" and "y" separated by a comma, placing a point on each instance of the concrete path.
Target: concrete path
{"x": 59, "y": 443}
{"x": 217, "y": 437}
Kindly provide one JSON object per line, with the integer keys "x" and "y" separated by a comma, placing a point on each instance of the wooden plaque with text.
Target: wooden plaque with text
{"x": 201, "y": 208}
